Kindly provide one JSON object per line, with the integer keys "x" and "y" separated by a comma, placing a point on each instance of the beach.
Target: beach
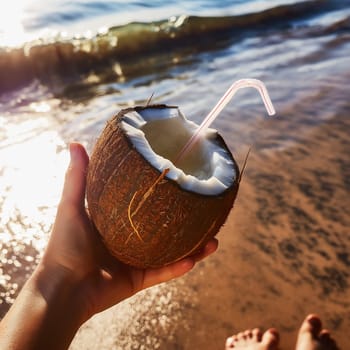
{"x": 284, "y": 250}
{"x": 283, "y": 253}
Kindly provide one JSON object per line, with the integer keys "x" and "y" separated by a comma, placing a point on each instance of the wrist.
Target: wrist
{"x": 46, "y": 314}
{"x": 60, "y": 289}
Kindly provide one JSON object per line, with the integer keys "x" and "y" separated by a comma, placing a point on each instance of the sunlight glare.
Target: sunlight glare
{"x": 40, "y": 107}
{"x": 31, "y": 181}
{"x": 11, "y": 28}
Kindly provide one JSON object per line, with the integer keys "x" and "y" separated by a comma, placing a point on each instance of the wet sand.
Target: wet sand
{"x": 284, "y": 253}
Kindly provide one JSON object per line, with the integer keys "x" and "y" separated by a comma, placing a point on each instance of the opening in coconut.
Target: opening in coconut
{"x": 159, "y": 134}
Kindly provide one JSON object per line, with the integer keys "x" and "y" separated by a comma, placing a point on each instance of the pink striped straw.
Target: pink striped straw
{"x": 239, "y": 84}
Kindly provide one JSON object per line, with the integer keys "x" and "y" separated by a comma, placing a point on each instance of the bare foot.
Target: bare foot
{"x": 254, "y": 340}
{"x": 311, "y": 337}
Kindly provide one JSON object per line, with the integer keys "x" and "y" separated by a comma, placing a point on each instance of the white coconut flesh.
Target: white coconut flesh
{"x": 159, "y": 135}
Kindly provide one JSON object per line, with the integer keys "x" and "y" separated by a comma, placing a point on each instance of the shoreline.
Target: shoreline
{"x": 266, "y": 273}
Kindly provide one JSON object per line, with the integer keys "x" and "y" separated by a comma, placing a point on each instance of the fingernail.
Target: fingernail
{"x": 211, "y": 246}
{"x": 74, "y": 152}
{"x": 187, "y": 264}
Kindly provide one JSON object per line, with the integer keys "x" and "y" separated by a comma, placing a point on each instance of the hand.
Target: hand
{"x": 76, "y": 277}
{"x": 76, "y": 251}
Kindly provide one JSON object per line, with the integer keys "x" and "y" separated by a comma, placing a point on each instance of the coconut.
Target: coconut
{"x": 150, "y": 209}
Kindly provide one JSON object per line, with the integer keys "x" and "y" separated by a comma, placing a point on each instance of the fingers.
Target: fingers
{"x": 177, "y": 269}
{"x": 75, "y": 181}
{"x": 209, "y": 249}
{"x": 167, "y": 273}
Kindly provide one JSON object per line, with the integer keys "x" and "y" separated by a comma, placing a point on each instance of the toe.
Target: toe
{"x": 229, "y": 343}
{"x": 324, "y": 334}
{"x": 248, "y": 335}
{"x": 241, "y": 336}
{"x": 327, "y": 340}
{"x": 270, "y": 338}
{"x": 257, "y": 334}
{"x": 312, "y": 324}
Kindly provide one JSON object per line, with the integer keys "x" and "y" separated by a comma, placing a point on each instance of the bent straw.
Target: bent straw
{"x": 239, "y": 84}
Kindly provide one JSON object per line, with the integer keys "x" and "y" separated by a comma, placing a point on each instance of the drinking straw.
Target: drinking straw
{"x": 225, "y": 99}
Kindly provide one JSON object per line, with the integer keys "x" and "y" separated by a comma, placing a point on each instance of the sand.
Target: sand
{"x": 284, "y": 253}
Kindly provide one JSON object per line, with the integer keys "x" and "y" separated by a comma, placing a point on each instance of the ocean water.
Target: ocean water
{"x": 67, "y": 67}
{"x": 30, "y": 19}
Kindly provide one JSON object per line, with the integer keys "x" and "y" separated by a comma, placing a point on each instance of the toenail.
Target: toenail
{"x": 314, "y": 321}
{"x": 257, "y": 333}
{"x": 229, "y": 342}
{"x": 325, "y": 334}
{"x": 312, "y": 317}
{"x": 248, "y": 333}
{"x": 275, "y": 333}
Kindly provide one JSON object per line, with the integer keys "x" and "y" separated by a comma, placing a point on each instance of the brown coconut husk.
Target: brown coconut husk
{"x": 145, "y": 219}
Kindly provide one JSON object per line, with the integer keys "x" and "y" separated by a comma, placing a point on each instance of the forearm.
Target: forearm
{"x": 45, "y": 315}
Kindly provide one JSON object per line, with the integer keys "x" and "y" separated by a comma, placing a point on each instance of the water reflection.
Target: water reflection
{"x": 285, "y": 245}
{"x": 32, "y": 172}
{"x": 31, "y": 178}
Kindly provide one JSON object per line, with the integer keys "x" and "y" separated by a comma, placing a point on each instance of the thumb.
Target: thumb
{"x": 75, "y": 181}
